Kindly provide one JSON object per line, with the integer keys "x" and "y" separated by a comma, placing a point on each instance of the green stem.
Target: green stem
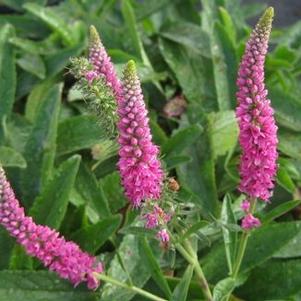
{"x": 241, "y": 253}
{"x": 193, "y": 260}
{"x": 243, "y": 244}
{"x": 132, "y": 288}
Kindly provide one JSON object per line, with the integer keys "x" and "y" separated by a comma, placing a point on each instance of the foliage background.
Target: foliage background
{"x": 64, "y": 169}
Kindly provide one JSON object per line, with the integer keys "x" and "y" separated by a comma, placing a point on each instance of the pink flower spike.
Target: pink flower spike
{"x": 139, "y": 166}
{"x": 102, "y": 64}
{"x": 58, "y": 255}
{"x": 258, "y": 131}
{"x": 245, "y": 206}
{"x": 163, "y": 236}
{"x": 250, "y": 222}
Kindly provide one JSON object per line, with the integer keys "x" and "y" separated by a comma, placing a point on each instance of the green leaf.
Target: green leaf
{"x": 230, "y": 237}
{"x": 290, "y": 143}
{"x": 174, "y": 161}
{"x": 193, "y": 72}
{"x": 53, "y": 20}
{"x": 189, "y": 35}
{"x": 39, "y": 286}
{"x": 251, "y": 10}
{"x": 223, "y": 288}
{"x": 287, "y": 112}
{"x": 284, "y": 179}
{"x": 35, "y": 98}
{"x": 56, "y": 62}
{"x": 154, "y": 268}
{"x": 284, "y": 280}
{"x": 181, "y": 139}
{"x": 19, "y": 260}
{"x": 92, "y": 192}
{"x": 130, "y": 20}
{"x": 92, "y": 237}
{"x": 194, "y": 229}
{"x": 181, "y": 290}
{"x": 113, "y": 191}
{"x": 133, "y": 262}
{"x": 16, "y": 131}
{"x": 193, "y": 291}
{"x": 280, "y": 210}
{"x": 228, "y": 24}
{"x": 129, "y": 17}
{"x": 7, "y": 73}
{"x": 144, "y": 9}
{"x": 223, "y": 54}
{"x": 50, "y": 207}
{"x": 198, "y": 176}
{"x": 11, "y": 158}
{"x": 79, "y": 132}
{"x": 223, "y": 71}
{"x": 6, "y": 247}
{"x": 221, "y": 125}
{"x": 17, "y": 4}
{"x": 263, "y": 243}
{"x": 32, "y": 47}
{"x": 32, "y": 64}
{"x": 26, "y": 25}
{"x": 40, "y": 146}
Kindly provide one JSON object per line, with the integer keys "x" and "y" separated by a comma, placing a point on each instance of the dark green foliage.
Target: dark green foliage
{"x": 62, "y": 162}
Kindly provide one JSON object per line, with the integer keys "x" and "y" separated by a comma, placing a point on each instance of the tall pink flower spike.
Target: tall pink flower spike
{"x": 139, "y": 166}
{"x": 102, "y": 65}
{"x": 58, "y": 255}
{"x": 258, "y": 131}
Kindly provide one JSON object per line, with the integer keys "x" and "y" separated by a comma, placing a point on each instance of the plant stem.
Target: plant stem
{"x": 132, "y": 288}
{"x": 193, "y": 260}
{"x": 243, "y": 244}
{"x": 241, "y": 253}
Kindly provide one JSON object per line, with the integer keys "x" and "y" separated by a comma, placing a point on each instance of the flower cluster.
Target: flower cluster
{"x": 249, "y": 221}
{"x": 156, "y": 217}
{"x": 258, "y": 131}
{"x": 102, "y": 65}
{"x": 139, "y": 167}
{"x": 98, "y": 83}
{"x": 61, "y": 256}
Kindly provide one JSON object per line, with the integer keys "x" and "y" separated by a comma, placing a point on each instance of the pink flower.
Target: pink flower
{"x": 90, "y": 76}
{"x": 151, "y": 220}
{"x": 102, "y": 64}
{"x": 156, "y": 217}
{"x": 163, "y": 236}
{"x": 245, "y": 206}
{"x": 139, "y": 167}
{"x": 61, "y": 256}
{"x": 258, "y": 131}
{"x": 250, "y": 222}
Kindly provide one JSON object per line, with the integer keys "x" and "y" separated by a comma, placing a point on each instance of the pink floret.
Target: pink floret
{"x": 58, "y": 255}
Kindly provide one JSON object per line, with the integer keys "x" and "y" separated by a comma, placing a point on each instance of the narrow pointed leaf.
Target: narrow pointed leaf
{"x": 7, "y": 73}
{"x": 50, "y": 207}
{"x": 154, "y": 268}
{"x": 181, "y": 290}
{"x": 11, "y": 158}
{"x": 92, "y": 237}
{"x": 41, "y": 145}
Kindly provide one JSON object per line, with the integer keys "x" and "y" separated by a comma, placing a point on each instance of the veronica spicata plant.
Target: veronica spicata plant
{"x": 258, "y": 131}
{"x": 140, "y": 211}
